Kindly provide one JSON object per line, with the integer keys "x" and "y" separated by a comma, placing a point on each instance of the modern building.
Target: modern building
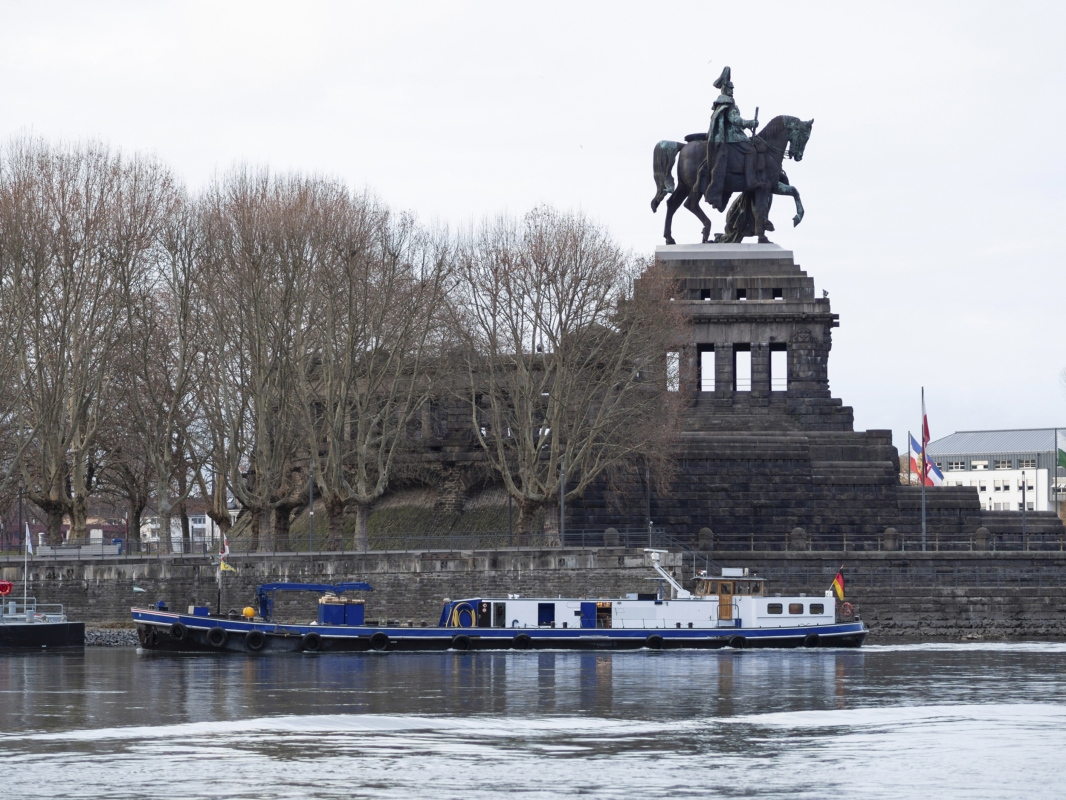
{"x": 1000, "y": 463}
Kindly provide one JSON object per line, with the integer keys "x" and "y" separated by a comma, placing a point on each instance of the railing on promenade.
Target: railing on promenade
{"x": 699, "y": 553}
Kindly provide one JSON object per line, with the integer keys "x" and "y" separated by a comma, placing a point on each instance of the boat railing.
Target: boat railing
{"x": 29, "y": 610}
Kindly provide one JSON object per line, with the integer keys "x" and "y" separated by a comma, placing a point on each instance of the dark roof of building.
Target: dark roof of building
{"x": 1029, "y": 440}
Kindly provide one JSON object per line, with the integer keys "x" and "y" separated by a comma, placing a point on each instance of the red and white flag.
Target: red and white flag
{"x": 931, "y": 474}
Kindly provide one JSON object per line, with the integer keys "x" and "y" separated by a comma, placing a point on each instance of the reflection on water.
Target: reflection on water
{"x": 891, "y": 721}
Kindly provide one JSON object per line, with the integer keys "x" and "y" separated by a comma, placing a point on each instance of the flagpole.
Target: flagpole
{"x": 925, "y": 469}
{"x": 26, "y": 572}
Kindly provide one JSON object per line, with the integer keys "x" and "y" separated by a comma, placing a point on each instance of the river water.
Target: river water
{"x": 968, "y": 720}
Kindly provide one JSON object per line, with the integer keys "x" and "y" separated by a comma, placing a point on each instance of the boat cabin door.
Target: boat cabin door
{"x": 588, "y": 615}
{"x": 725, "y": 600}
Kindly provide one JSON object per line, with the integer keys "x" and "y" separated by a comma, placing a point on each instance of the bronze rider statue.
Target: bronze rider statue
{"x": 727, "y": 134}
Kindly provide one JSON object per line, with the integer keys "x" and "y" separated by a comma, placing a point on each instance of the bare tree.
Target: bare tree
{"x": 565, "y": 362}
{"x": 82, "y": 219}
{"x": 262, "y": 260}
{"x": 379, "y": 301}
{"x": 163, "y": 320}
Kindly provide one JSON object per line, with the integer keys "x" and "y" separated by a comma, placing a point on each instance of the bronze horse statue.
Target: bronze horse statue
{"x": 781, "y": 137}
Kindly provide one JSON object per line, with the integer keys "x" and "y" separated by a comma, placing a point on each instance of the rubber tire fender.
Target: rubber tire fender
{"x": 311, "y": 642}
{"x": 738, "y": 642}
{"x": 178, "y": 631}
{"x": 461, "y": 642}
{"x": 379, "y": 641}
{"x": 654, "y": 642}
{"x": 255, "y": 641}
{"x": 217, "y": 637}
{"x": 522, "y": 641}
{"x": 811, "y": 640}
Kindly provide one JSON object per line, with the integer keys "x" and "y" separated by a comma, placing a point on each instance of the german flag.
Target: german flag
{"x": 838, "y": 585}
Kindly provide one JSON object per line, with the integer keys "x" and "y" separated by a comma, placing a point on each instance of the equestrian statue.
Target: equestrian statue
{"x": 713, "y": 166}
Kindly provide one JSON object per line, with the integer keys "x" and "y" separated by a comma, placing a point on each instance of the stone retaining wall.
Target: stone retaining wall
{"x": 913, "y": 595}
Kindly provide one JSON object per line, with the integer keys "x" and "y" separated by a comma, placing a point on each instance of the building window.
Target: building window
{"x": 957, "y": 466}
{"x": 705, "y": 294}
{"x": 1001, "y": 463}
{"x": 707, "y": 370}
{"x": 1022, "y": 484}
{"x": 742, "y": 294}
{"x": 983, "y": 486}
{"x": 1026, "y": 463}
{"x": 779, "y": 294}
{"x": 978, "y": 465}
{"x": 742, "y": 368}
{"x": 997, "y": 486}
{"x": 774, "y": 608}
{"x": 817, "y": 608}
{"x": 795, "y": 608}
{"x": 778, "y": 370}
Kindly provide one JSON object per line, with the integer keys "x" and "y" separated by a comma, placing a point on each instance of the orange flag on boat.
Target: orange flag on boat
{"x": 838, "y": 585}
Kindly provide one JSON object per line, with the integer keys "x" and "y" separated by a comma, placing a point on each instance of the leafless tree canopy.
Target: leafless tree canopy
{"x": 565, "y": 364}
{"x": 278, "y": 335}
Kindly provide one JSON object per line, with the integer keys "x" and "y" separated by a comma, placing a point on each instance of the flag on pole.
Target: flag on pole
{"x": 222, "y": 565}
{"x": 933, "y": 476}
{"x": 29, "y": 540}
{"x": 838, "y": 585}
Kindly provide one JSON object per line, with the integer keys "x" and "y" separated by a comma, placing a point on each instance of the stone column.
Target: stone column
{"x": 808, "y": 374}
{"x": 723, "y": 370}
{"x": 760, "y": 370}
{"x": 689, "y": 373}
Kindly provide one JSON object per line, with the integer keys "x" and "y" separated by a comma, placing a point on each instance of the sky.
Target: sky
{"x": 934, "y": 181}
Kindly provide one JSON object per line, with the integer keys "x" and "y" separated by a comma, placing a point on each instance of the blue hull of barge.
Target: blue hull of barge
{"x": 158, "y": 630}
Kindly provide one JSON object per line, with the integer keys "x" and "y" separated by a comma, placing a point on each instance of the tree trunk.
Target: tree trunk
{"x": 136, "y": 509}
{"x": 186, "y": 533}
{"x": 551, "y": 537}
{"x": 362, "y": 534}
{"x": 54, "y": 537}
{"x": 523, "y": 526}
{"x": 254, "y": 529}
{"x": 166, "y": 541}
{"x": 282, "y": 519}
{"x": 335, "y": 514}
{"x": 264, "y": 535}
{"x": 79, "y": 514}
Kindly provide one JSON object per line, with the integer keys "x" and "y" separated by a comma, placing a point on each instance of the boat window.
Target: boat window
{"x": 774, "y": 608}
{"x": 499, "y": 615}
{"x": 603, "y": 614}
{"x": 795, "y": 608}
{"x": 817, "y": 608}
{"x": 725, "y": 588}
{"x": 759, "y": 587}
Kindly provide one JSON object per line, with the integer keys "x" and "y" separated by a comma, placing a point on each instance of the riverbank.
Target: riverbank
{"x": 912, "y": 596}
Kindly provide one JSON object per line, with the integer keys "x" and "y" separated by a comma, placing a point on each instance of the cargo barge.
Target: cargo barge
{"x": 728, "y": 610}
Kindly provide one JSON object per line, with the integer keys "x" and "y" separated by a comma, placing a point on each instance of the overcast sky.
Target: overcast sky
{"x": 934, "y": 180}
